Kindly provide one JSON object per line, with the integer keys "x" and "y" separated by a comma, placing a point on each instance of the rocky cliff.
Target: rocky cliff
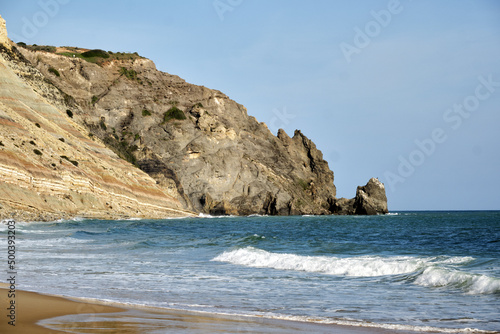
{"x": 51, "y": 168}
{"x": 199, "y": 146}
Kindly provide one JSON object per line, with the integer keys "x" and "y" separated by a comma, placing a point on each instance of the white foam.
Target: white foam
{"x": 471, "y": 283}
{"x": 362, "y": 266}
{"x": 204, "y": 215}
{"x": 365, "y": 324}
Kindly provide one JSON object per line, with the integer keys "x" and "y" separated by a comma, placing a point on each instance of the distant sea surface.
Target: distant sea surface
{"x": 423, "y": 271}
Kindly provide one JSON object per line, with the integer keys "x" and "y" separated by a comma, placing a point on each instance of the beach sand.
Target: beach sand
{"x": 36, "y": 314}
{"x": 32, "y": 307}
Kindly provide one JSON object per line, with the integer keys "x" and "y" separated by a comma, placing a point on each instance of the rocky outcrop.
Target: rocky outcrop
{"x": 370, "y": 200}
{"x": 200, "y": 147}
{"x": 4, "y": 40}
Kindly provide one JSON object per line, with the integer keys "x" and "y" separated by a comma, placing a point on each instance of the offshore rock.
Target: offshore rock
{"x": 370, "y": 200}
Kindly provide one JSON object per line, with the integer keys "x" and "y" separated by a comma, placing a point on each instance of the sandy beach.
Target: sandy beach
{"x": 42, "y": 314}
{"x": 32, "y": 307}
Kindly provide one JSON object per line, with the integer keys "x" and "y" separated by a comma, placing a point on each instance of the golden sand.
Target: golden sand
{"x": 38, "y": 314}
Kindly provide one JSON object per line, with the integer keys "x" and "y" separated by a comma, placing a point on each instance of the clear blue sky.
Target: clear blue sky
{"x": 407, "y": 91}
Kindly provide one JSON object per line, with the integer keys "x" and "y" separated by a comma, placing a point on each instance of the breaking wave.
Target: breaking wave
{"x": 425, "y": 271}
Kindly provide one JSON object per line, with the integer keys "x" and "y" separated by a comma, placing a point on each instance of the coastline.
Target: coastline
{"x": 32, "y": 307}
{"x": 39, "y": 314}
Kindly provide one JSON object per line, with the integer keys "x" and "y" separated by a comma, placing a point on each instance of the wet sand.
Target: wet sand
{"x": 42, "y": 314}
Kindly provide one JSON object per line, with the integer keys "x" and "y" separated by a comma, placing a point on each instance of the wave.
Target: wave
{"x": 469, "y": 282}
{"x": 363, "y": 266}
{"x": 205, "y": 215}
{"x": 425, "y": 271}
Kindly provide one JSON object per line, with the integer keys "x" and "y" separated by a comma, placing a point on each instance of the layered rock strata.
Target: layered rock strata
{"x": 51, "y": 168}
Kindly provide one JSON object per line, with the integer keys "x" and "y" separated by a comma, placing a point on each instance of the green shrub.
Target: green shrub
{"x": 70, "y": 113}
{"x": 69, "y": 100}
{"x": 46, "y": 48}
{"x": 146, "y": 112}
{"x": 37, "y": 152}
{"x": 103, "y": 125}
{"x": 94, "y": 99}
{"x": 37, "y": 125}
{"x": 121, "y": 148}
{"x": 130, "y": 74}
{"x": 95, "y": 53}
{"x": 173, "y": 113}
{"x": 54, "y": 71}
{"x": 303, "y": 183}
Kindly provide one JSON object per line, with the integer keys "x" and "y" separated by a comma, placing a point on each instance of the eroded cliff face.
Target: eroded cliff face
{"x": 50, "y": 168}
{"x": 199, "y": 146}
{"x": 196, "y": 142}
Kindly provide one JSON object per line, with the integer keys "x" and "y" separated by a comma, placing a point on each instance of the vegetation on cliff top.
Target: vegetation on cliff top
{"x": 95, "y": 56}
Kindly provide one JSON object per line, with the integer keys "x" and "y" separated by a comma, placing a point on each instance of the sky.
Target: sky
{"x": 407, "y": 91}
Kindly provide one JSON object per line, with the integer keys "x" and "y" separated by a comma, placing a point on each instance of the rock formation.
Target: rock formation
{"x": 50, "y": 167}
{"x": 199, "y": 146}
{"x": 370, "y": 200}
{"x": 4, "y": 40}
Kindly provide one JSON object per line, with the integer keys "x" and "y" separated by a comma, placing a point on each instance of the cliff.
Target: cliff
{"x": 200, "y": 147}
{"x": 51, "y": 168}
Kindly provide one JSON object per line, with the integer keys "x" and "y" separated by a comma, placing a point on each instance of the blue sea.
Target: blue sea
{"x": 418, "y": 271}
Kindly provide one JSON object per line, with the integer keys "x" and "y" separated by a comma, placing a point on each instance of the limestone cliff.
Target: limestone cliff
{"x": 50, "y": 167}
{"x": 199, "y": 146}
{"x": 4, "y": 40}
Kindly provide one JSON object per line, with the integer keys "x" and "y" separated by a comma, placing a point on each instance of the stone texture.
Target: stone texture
{"x": 202, "y": 149}
{"x": 3, "y": 33}
{"x": 215, "y": 160}
{"x": 50, "y": 168}
{"x": 370, "y": 200}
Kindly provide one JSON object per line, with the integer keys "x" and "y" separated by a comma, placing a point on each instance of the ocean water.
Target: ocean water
{"x": 421, "y": 271}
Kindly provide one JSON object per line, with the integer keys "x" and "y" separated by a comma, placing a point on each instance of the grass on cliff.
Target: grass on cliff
{"x": 95, "y": 56}
{"x": 54, "y": 71}
{"x": 129, "y": 74}
{"x": 173, "y": 113}
{"x": 122, "y": 148}
{"x": 99, "y": 57}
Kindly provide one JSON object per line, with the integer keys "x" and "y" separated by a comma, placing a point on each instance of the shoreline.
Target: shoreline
{"x": 42, "y": 314}
{"x": 32, "y": 307}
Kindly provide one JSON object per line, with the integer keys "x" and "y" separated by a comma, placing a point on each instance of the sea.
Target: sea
{"x": 412, "y": 271}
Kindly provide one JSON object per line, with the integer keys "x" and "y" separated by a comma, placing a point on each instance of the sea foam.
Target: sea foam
{"x": 361, "y": 266}
{"x": 469, "y": 282}
{"x": 428, "y": 271}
